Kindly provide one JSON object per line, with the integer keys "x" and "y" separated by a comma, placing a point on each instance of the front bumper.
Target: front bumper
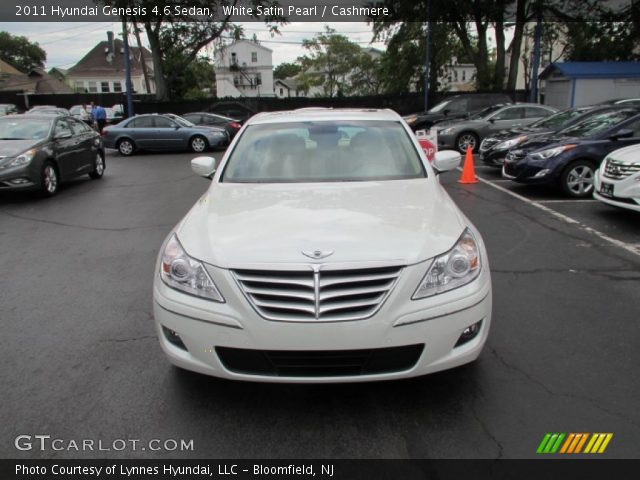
{"x": 493, "y": 158}
{"x": 626, "y": 192}
{"x": 436, "y": 322}
{"x": 24, "y": 177}
{"x": 524, "y": 172}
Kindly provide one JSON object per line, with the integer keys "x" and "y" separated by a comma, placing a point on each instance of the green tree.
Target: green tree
{"x": 602, "y": 41}
{"x": 21, "y": 53}
{"x": 329, "y": 63}
{"x": 286, "y": 70}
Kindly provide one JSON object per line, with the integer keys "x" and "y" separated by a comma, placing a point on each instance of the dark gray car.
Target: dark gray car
{"x": 40, "y": 151}
{"x": 162, "y": 132}
{"x": 459, "y": 135}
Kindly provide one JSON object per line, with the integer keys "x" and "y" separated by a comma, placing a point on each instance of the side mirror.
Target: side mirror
{"x": 446, "y": 111}
{"x": 492, "y": 120}
{"x": 624, "y": 133}
{"x": 446, "y": 160}
{"x": 204, "y": 166}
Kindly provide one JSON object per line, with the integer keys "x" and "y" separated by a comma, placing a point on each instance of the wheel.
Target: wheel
{"x": 98, "y": 168}
{"x": 49, "y": 181}
{"x": 198, "y": 144}
{"x": 126, "y": 147}
{"x": 577, "y": 179}
{"x": 467, "y": 139}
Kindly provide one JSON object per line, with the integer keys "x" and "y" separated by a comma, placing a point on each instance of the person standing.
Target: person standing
{"x": 99, "y": 115}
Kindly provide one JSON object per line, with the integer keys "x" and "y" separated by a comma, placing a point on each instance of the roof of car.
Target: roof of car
{"x": 39, "y": 115}
{"x": 324, "y": 114}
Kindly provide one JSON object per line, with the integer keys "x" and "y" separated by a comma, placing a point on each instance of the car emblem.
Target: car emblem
{"x": 317, "y": 254}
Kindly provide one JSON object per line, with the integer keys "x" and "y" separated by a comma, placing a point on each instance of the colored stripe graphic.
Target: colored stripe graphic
{"x": 573, "y": 443}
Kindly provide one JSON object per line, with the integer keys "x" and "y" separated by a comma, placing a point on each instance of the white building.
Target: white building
{"x": 458, "y": 77}
{"x": 244, "y": 69}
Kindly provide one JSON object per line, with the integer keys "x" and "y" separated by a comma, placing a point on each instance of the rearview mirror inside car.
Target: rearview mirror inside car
{"x": 446, "y": 160}
{"x": 204, "y": 166}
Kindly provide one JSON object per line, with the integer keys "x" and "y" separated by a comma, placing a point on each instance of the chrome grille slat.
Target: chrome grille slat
{"x": 617, "y": 170}
{"x": 316, "y": 294}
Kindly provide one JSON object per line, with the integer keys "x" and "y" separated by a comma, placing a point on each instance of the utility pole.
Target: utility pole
{"x": 127, "y": 68}
{"x": 145, "y": 72}
{"x": 427, "y": 42}
{"x": 533, "y": 96}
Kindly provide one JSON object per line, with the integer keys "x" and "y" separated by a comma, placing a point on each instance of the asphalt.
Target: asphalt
{"x": 79, "y": 358}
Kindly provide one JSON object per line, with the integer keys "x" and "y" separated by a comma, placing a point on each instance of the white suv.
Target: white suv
{"x": 325, "y": 250}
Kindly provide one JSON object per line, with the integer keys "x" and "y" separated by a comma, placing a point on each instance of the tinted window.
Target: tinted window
{"x": 141, "y": 122}
{"x": 62, "y": 128}
{"x": 597, "y": 123}
{"x": 634, "y": 127}
{"x": 162, "y": 122}
{"x": 509, "y": 114}
{"x": 76, "y": 127}
{"x": 532, "y": 112}
{"x": 329, "y": 151}
{"x": 557, "y": 120}
{"x": 193, "y": 118}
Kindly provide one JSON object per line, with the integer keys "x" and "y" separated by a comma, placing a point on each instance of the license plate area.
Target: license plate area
{"x": 606, "y": 189}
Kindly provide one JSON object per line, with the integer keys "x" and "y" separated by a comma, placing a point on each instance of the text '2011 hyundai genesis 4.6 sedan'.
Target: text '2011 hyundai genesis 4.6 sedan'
{"x": 325, "y": 250}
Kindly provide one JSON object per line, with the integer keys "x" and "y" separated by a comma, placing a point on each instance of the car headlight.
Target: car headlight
{"x": 506, "y": 145}
{"x": 446, "y": 131}
{"x": 452, "y": 269}
{"x": 178, "y": 270}
{"x": 551, "y": 152}
{"x": 24, "y": 158}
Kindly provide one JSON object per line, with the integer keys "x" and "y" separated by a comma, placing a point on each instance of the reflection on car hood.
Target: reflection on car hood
{"x": 628, "y": 154}
{"x": 538, "y": 142}
{"x": 516, "y": 132}
{"x": 401, "y": 221}
{"x": 11, "y": 148}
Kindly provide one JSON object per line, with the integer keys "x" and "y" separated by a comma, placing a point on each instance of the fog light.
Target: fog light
{"x": 19, "y": 181}
{"x": 542, "y": 173}
{"x": 173, "y": 338}
{"x": 469, "y": 333}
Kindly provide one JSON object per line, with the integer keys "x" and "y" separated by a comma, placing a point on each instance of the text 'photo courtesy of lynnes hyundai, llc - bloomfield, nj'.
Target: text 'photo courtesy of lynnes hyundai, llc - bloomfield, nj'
{"x": 390, "y": 239}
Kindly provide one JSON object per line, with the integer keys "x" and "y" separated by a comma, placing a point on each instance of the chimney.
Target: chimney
{"x": 110, "y": 42}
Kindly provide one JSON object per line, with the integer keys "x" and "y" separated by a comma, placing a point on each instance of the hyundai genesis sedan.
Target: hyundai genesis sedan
{"x": 324, "y": 250}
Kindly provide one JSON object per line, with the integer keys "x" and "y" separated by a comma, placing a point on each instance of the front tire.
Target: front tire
{"x": 98, "y": 167}
{"x": 198, "y": 144}
{"x": 126, "y": 147}
{"x": 577, "y": 179}
{"x": 49, "y": 181}
{"x": 467, "y": 139}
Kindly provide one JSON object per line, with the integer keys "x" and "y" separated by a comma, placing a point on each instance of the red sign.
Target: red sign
{"x": 428, "y": 148}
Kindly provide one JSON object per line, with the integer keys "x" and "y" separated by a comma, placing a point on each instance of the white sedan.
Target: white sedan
{"x": 617, "y": 181}
{"x": 325, "y": 250}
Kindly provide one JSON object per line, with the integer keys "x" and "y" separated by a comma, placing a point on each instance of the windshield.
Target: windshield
{"x": 597, "y": 124}
{"x": 324, "y": 151}
{"x": 24, "y": 128}
{"x": 486, "y": 112}
{"x": 77, "y": 109}
{"x": 557, "y": 120}
{"x": 441, "y": 106}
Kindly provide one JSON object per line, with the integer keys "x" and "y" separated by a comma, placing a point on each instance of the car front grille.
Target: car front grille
{"x": 320, "y": 363}
{"x": 317, "y": 295}
{"x": 618, "y": 170}
{"x": 488, "y": 143}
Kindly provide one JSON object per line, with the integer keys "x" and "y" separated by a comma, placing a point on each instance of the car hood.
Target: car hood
{"x": 628, "y": 154}
{"x": 538, "y": 142}
{"x": 399, "y": 222}
{"x": 516, "y": 132}
{"x": 11, "y": 148}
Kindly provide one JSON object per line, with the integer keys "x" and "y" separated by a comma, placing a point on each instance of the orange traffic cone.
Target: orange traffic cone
{"x": 468, "y": 172}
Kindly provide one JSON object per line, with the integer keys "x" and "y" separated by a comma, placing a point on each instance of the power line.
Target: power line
{"x": 101, "y": 27}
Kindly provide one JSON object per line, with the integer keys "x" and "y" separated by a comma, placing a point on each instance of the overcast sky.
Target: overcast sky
{"x": 65, "y": 44}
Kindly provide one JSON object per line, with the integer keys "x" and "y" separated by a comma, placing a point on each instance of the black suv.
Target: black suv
{"x": 452, "y": 108}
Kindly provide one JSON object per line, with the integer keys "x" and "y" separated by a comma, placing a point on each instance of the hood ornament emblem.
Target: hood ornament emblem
{"x": 317, "y": 254}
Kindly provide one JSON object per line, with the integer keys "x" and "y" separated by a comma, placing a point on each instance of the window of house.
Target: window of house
{"x": 254, "y": 57}
{"x": 258, "y": 78}
{"x": 93, "y": 87}
{"x": 117, "y": 87}
{"x": 236, "y": 80}
{"x": 234, "y": 58}
{"x": 79, "y": 86}
{"x": 281, "y": 91}
{"x": 464, "y": 75}
{"x": 104, "y": 87}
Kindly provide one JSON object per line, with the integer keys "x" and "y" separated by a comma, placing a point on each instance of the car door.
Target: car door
{"x": 141, "y": 130}
{"x": 168, "y": 134}
{"x": 508, "y": 117}
{"x": 84, "y": 146}
{"x": 66, "y": 149}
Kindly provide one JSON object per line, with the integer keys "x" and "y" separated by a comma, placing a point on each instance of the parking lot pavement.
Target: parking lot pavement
{"x": 80, "y": 359}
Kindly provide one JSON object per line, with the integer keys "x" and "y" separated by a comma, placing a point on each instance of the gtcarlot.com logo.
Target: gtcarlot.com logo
{"x": 573, "y": 443}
